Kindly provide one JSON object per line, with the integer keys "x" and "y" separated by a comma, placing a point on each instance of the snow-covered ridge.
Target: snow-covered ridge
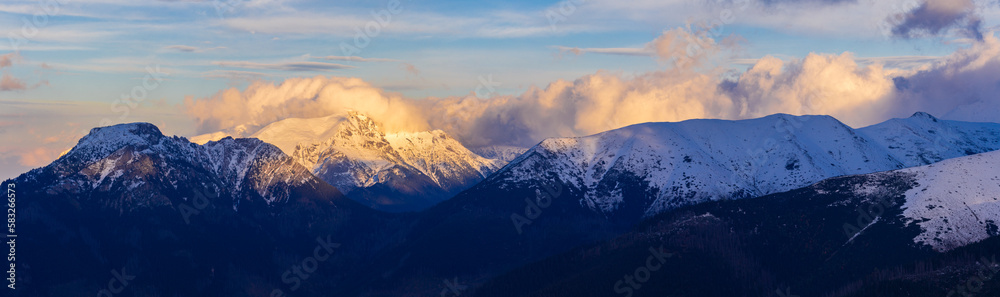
{"x": 440, "y": 157}
{"x": 923, "y": 139}
{"x": 126, "y": 156}
{"x": 956, "y": 202}
{"x": 700, "y": 160}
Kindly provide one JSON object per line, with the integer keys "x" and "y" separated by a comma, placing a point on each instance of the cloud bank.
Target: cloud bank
{"x": 960, "y": 85}
{"x": 244, "y": 112}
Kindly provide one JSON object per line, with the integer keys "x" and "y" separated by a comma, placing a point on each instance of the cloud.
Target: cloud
{"x": 354, "y": 59}
{"x": 858, "y": 93}
{"x": 900, "y": 62}
{"x": 405, "y": 22}
{"x": 7, "y": 60}
{"x": 962, "y": 86}
{"x": 77, "y": 33}
{"x": 284, "y": 66}
{"x": 818, "y": 84}
{"x": 681, "y": 46}
{"x": 825, "y": 2}
{"x": 234, "y": 74}
{"x": 38, "y": 157}
{"x": 622, "y": 51}
{"x": 409, "y": 68}
{"x": 235, "y": 77}
{"x": 263, "y": 103}
{"x": 182, "y": 48}
{"x": 10, "y": 83}
{"x": 934, "y": 17}
{"x": 190, "y": 49}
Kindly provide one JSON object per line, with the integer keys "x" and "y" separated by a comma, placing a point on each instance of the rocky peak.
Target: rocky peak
{"x": 358, "y": 123}
{"x": 923, "y": 115}
{"x": 103, "y": 141}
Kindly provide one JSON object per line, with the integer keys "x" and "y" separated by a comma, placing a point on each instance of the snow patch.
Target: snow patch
{"x": 956, "y": 201}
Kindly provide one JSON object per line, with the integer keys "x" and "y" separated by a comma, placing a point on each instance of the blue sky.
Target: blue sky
{"x": 64, "y": 77}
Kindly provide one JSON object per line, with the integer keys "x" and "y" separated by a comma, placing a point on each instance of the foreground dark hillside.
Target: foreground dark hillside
{"x": 790, "y": 242}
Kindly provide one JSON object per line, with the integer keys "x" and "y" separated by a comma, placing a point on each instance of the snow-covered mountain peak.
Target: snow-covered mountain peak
{"x": 288, "y": 133}
{"x": 103, "y": 141}
{"x": 114, "y": 137}
{"x": 923, "y": 139}
{"x": 352, "y": 151}
{"x": 141, "y": 129}
{"x": 350, "y": 127}
{"x": 688, "y": 162}
{"x": 923, "y": 115}
{"x": 135, "y": 165}
{"x": 440, "y": 157}
{"x": 362, "y": 123}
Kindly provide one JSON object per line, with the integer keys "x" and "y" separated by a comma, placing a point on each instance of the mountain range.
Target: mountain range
{"x": 667, "y": 165}
{"x": 567, "y": 217}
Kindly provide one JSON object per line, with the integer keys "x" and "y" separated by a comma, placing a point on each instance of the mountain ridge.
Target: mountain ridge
{"x": 139, "y": 155}
{"x": 703, "y": 160}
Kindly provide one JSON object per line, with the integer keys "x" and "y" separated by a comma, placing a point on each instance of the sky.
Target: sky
{"x": 488, "y": 73}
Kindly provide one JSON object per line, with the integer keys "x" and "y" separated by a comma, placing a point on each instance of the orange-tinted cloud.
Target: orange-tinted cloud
{"x": 38, "y": 157}
{"x": 11, "y": 83}
{"x": 262, "y": 103}
{"x": 859, "y": 94}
